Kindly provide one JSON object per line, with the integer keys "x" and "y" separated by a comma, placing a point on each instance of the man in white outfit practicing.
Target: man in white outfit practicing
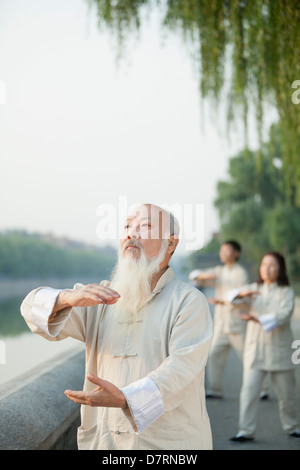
{"x": 147, "y": 339}
{"x": 229, "y": 329}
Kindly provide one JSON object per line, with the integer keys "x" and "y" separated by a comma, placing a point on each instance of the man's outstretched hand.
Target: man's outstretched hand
{"x": 86, "y": 296}
{"x": 105, "y": 394}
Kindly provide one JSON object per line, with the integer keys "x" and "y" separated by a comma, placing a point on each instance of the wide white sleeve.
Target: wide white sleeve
{"x": 240, "y": 302}
{"x": 285, "y": 307}
{"x": 37, "y": 308}
{"x": 268, "y": 321}
{"x": 206, "y": 272}
{"x": 232, "y": 296}
{"x": 144, "y": 401}
{"x": 42, "y": 307}
{"x": 280, "y": 313}
{"x": 194, "y": 274}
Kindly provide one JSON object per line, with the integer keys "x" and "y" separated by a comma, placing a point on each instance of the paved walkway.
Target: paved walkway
{"x": 224, "y": 414}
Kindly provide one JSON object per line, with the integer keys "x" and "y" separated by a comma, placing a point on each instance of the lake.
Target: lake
{"x": 20, "y": 349}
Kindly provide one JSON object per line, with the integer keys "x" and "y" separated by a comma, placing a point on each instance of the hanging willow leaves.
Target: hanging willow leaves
{"x": 259, "y": 40}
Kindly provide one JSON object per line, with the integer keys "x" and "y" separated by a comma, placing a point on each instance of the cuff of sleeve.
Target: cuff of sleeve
{"x": 42, "y": 307}
{"x": 232, "y": 294}
{"x": 144, "y": 401}
{"x": 268, "y": 321}
{"x": 194, "y": 274}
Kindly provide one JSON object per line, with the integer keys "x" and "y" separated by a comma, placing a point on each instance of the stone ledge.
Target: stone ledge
{"x": 39, "y": 415}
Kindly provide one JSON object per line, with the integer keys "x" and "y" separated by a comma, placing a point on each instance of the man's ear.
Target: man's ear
{"x": 172, "y": 244}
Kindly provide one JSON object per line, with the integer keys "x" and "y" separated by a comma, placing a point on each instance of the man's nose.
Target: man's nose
{"x": 133, "y": 233}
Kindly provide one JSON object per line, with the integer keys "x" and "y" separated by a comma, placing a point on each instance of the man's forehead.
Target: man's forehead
{"x": 163, "y": 223}
{"x": 148, "y": 212}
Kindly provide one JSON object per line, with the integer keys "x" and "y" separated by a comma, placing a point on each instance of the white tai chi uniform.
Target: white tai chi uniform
{"x": 157, "y": 358}
{"x": 268, "y": 349}
{"x": 229, "y": 329}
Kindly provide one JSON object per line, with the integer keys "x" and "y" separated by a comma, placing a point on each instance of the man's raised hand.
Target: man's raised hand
{"x": 86, "y": 296}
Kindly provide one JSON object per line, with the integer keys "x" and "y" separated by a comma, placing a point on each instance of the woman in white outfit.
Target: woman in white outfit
{"x": 268, "y": 347}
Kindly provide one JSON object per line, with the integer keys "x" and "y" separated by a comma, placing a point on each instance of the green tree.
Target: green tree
{"x": 256, "y": 43}
{"x": 253, "y": 209}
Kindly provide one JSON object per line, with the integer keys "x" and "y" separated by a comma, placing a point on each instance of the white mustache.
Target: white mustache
{"x": 131, "y": 243}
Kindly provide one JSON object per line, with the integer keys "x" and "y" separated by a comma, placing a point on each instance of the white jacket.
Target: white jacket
{"x": 268, "y": 342}
{"x": 157, "y": 358}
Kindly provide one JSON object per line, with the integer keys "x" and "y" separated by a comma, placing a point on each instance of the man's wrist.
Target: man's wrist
{"x": 61, "y": 301}
{"x": 124, "y": 404}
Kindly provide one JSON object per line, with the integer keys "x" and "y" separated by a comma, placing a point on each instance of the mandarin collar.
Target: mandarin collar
{"x": 270, "y": 286}
{"x": 232, "y": 266}
{"x": 163, "y": 280}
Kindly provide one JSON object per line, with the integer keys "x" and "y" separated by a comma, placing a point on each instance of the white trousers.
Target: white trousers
{"x": 284, "y": 386}
{"x": 221, "y": 345}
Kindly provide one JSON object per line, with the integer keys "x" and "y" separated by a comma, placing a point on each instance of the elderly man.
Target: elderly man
{"x": 147, "y": 339}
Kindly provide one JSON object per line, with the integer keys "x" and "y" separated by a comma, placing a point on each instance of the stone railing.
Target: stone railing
{"x": 34, "y": 412}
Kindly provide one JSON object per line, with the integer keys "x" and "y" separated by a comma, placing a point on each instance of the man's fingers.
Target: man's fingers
{"x": 105, "y": 394}
{"x": 77, "y": 397}
{"x": 95, "y": 380}
{"x": 103, "y": 290}
{"x": 93, "y": 294}
{"x": 100, "y": 299}
{"x": 104, "y": 294}
{"x": 89, "y": 295}
{"x": 82, "y": 398}
{"x": 100, "y": 382}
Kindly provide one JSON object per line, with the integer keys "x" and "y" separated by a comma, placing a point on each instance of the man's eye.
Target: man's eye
{"x": 146, "y": 225}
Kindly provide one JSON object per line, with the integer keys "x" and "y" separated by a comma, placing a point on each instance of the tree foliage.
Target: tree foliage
{"x": 253, "y": 209}
{"x": 255, "y": 42}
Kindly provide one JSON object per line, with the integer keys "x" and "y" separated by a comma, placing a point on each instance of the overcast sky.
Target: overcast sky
{"x": 77, "y": 131}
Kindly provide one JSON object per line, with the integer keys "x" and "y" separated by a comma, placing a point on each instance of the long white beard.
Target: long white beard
{"x": 132, "y": 276}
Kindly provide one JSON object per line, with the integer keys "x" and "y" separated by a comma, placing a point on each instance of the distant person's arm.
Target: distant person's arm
{"x": 214, "y": 301}
{"x": 234, "y": 296}
{"x": 280, "y": 315}
{"x": 200, "y": 275}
